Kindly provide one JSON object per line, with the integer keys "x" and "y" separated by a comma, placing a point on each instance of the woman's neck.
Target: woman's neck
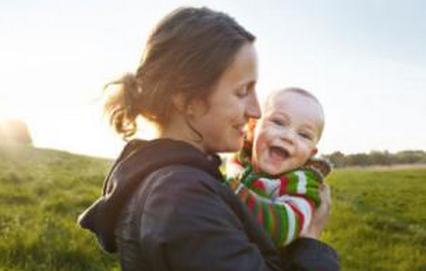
{"x": 180, "y": 131}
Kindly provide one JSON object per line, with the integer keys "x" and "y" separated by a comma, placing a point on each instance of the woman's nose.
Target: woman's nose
{"x": 252, "y": 107}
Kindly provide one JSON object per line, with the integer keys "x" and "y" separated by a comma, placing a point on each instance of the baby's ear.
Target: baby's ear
{"x": 314, "y": 151}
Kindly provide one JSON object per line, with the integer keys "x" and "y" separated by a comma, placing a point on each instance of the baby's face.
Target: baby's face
{"x": 286, "y": 135}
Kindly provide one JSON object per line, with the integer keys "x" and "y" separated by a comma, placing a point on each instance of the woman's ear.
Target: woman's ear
{"x": 191, "y": 108}
{"x": 179, "y": 102}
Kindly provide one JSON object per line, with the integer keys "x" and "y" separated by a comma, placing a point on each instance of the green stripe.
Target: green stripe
{"x": 266, "y": 218}
{"x": 283, "y": 224}
{"x": 313, "y": 194}
{"x": 292, "y": 183}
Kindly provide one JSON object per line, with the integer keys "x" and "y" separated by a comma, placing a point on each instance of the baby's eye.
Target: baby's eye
{"x": 306, "y": 136}
{"x": 278, "y": 122}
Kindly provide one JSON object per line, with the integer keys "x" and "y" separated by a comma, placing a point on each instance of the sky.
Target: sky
{"x": 364, "y": 60}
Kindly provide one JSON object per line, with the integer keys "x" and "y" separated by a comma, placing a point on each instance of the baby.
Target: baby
{"x": 274, "y": 173}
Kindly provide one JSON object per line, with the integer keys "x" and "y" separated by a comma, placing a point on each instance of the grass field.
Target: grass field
{"x": 378, "y": 220}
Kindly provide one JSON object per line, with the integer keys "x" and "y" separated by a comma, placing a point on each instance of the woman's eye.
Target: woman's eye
{"x": 246, "y": 90}
{"x": 243, "y": 92}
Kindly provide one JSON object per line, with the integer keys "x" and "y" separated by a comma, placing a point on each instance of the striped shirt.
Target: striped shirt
{"x": 283, "y": 205}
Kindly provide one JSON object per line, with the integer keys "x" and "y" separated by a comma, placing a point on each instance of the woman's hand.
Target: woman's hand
{"x": 321, "y": 214}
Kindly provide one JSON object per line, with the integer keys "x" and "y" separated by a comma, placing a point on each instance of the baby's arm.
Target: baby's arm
{"x": 304, "y": 181}
{"x": 284, "y": 206}
{"x": 283, "y": 216}
{"x": 283, "y": 219}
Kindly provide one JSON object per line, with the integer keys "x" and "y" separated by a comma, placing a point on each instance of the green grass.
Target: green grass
{"x": 41, "y": 194}
{"x": 378, "y": 220}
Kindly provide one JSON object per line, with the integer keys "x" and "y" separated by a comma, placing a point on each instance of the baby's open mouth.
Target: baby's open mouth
{"x": 278, "y": 152}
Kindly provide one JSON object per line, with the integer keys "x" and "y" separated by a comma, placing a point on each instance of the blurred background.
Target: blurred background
{"x": 365, "y": 61}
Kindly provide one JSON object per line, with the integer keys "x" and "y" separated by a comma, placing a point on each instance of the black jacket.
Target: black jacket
{"x": 164, "y": 208}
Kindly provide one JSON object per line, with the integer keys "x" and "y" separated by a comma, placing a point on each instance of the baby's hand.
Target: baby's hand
{"x": 321, "y": 167}
{"x": 321, "y": 215}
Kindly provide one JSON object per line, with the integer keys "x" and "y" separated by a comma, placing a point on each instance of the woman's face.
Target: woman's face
{"x": 222, "y": 120}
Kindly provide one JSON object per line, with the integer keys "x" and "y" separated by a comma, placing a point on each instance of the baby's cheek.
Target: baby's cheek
{"x": 276, "y": 131}
{"x": 256, "y": 156}
{"x": 307, "y": 154}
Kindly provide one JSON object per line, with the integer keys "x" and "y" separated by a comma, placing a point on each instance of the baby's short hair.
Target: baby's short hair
{"x": 302, "y": 92}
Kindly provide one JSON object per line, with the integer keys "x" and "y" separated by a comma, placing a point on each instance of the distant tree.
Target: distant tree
{"x": 383, "y": 158}
{"x": 336, "y": 158}
{"x": 380, "y": 158}
{"x": 14, "y": 132}
{"x": 358, "y": 159}
{"x": 410, "y": 157}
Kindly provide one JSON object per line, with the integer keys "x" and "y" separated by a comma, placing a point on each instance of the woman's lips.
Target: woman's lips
{"x": 241, "y": 129}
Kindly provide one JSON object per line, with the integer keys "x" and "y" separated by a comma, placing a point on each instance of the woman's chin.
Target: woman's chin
{"x": 231, "y": 147}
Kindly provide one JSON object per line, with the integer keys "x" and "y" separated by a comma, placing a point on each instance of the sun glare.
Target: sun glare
{"x": 7, "y": 114}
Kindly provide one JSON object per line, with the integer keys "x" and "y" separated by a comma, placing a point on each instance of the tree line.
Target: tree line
{"x": 15, "y": 131}
{"x": 380, "y": 158}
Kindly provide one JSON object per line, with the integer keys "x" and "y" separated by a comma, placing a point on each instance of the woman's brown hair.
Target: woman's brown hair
{"x": 186, "y": 54}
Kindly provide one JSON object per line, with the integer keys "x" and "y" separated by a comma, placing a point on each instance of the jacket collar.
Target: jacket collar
{"x": 138, "y": 159}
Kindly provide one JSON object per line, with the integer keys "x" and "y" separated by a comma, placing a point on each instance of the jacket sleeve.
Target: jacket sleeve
{"x": 188, "y": 225}
{"x": 310, "y": 254}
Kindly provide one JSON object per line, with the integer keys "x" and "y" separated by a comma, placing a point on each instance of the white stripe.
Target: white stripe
{"x": 238, "y": 190}
{"x": 301, "y": 205}
{"x": 271, "y": 186}
{"x": 306, "y": 210}
{"x": 302, "y": 183}
{"x": 291, "y": 224}
{"x": 233, "y": 169}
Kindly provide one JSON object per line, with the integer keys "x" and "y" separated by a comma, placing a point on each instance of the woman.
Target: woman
{"x": 164, "y": 206}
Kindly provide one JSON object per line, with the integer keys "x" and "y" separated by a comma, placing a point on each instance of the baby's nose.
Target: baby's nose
{"x": 289, "y": 135}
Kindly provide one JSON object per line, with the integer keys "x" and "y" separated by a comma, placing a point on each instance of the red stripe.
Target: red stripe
{"x": 243, "y": 193}
{"x": 251, "y": 201}
{"x": 257, "y": 184}
{"x": 236, "y": 161}
{"x": 302, "y": 196}
{"x": 300, "y": 215}
{"x": 260, "y": 213}
{"x": 274, "y": 225}
{"x": 283, "y": 186}
{"x": 251, "y": 204}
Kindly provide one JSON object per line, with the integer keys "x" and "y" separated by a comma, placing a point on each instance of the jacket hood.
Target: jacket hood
{"x": 137, "y": 160}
